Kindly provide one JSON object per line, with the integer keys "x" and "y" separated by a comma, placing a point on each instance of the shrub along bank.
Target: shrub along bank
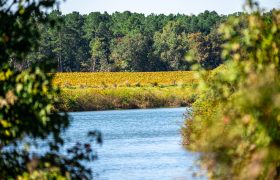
{"x": 88, "y": 99}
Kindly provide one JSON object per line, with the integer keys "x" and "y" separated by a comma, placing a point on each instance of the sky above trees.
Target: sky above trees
{"x": 160, "y": 6}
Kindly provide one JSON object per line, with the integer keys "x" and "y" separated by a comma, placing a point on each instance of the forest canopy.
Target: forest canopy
{"x": 128, "y": 41}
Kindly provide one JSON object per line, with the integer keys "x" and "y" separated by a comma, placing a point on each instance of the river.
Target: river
{"x": 138, "y": 144}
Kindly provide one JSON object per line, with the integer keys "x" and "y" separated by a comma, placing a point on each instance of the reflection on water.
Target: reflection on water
{"x": 138, "y": 144}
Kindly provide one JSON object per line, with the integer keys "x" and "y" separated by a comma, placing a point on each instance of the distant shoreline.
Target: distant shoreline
{"x": 74, "y": 100}
{"x": 111, "y": 91}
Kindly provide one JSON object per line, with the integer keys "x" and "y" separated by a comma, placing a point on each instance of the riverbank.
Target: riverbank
{"x": 91, "y": 99}
{"x": 124, "y": 90}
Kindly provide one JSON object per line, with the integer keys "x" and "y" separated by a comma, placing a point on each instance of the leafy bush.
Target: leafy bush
{"x": 236, "y": 118}
{"x": 26, "y": 103}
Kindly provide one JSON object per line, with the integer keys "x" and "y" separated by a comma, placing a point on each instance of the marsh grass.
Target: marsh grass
{"x": 91, "y": 91}
{"x": 88, "y": 99}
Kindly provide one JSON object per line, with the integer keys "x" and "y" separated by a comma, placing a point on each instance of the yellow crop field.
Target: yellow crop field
{"x": 119, "y": 79}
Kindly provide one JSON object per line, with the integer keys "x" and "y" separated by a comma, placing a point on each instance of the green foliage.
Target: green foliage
{"x": 74, "y": 48}
{"x": 170, "y": 46}
{"x": 86, "y": 42}
{"x": 205, "y": 49}
{"x": 25, "y": 106}
{"x": 99, "y": 56}
{"x": 198, "y": 47}
{"x": 96, "y": 25}
{"x": 26, "y": 102}
{"x": 126, "y": 23}
{"x": 132, "y": 53}
{"x": 235, "y": 122}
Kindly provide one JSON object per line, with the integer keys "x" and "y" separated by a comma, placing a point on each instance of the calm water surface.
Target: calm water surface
{"x": 138, "y": 144}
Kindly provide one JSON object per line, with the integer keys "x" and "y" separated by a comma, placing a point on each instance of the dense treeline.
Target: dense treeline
{"x": 128, "y": 41}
